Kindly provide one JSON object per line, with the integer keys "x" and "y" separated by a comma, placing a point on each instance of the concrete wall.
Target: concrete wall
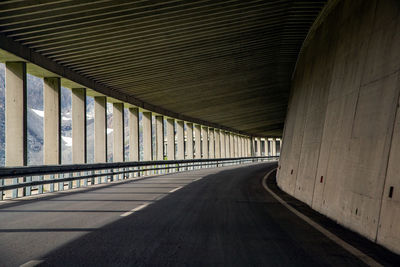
{"x": 341, "y": 149}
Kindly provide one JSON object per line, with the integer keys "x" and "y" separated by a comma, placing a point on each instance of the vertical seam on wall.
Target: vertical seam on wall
{"x": 361, "y": 79}
{"x": 388, "y": 157}
{"x": 303, "y": 131}
{"x": 325, "y": 117}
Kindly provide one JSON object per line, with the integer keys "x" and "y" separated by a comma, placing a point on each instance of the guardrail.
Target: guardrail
{"x": 25, "y": 181}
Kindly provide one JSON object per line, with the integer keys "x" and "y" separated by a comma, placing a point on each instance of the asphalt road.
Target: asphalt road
{"x": 210, "y": 217}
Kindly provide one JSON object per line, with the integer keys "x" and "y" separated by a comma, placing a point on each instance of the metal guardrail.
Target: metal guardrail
{"x": 25, "y": 181}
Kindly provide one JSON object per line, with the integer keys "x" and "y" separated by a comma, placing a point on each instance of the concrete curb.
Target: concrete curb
{"x": 357, "y": 253}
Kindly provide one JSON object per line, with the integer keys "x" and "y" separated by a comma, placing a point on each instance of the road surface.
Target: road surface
{"x": 209, "y": 217}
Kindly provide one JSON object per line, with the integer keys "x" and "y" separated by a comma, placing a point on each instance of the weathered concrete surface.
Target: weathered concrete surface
{"x": 100, "y": 129}
{"x": 118, "y": 134}
{"x": 147, "y": 136}
{"x": 51, "y": 121}
{"x": 342, "y": 139}
{"x": 133, "y": 134}
{"x": 78, "y": 103}
{"x": 159, "y": 137}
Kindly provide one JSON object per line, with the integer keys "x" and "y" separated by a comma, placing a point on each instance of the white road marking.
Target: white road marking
{"x": 134, "y": 210}
{"x": 363, "y": 257}
{"x": 175, "y": 189}
{"x": 126, "y": 214}
{"x": 140, "y": 207}
{"x": 31, "y": 263}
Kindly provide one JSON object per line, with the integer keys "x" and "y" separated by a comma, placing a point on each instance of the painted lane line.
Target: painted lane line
{"x": 31, "y": 263}
{"x": 134, "y": 210}
{"x": 126, "y": 214}
{"x": 176, "y": 189}
{"x": 140, "y": 207}
{"x": 360, "y": 255}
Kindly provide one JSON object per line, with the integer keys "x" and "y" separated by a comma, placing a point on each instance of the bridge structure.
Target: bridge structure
{"x": 306, "y": 91}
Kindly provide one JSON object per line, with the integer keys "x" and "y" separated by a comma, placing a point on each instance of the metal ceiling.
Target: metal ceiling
{"x": 225, "y": 62}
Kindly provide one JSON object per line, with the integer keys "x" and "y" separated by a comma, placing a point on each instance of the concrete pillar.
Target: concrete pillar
{"x": 180, "y": 135}
{"x": 204, "y": 135}
{"x": 100, "y": 129}
{"x": 258, "y": 153}
{"x": 51, "y": 125}
{"x": 147, "y": 136}
{"x": 244, "y": 147}
{"x": 78, "y": 104}
{"x": 118, "y": 132}
{"x": 15, "y": 115}
{"x": 134, "y": 134}
{"x": 15, "y": 121}
{"x": 222, "y": 144}
{"x": 253, "y": 146}
{"x": 159, "y": 137}
{"x": 217, "y": 144}
{"x": 189, "y": 140}
{"x": 211, "y": 146}
{"x": 197, "y": 141}
{"x": 227, "y": 145}
{"x": 278, "y": 141}
{"x": 265, "y": 147}
{"x": 248, "y": 147}
{"x": 52, "y": 121}
{"x": 273, "y": 147}
{"x": 231, "y": 146}
{"x": 170, "y": 139}
{"x": 236, "y": 146}
{"x": 240, "y": 143}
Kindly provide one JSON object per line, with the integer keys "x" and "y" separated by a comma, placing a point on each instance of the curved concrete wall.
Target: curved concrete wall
{"x": 341, "y": 144}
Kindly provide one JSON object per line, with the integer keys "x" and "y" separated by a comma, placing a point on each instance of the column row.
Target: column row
{"x": 162, "y": 138}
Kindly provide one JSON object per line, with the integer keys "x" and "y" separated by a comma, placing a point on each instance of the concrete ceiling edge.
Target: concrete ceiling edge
{"x": 31, "y": 56}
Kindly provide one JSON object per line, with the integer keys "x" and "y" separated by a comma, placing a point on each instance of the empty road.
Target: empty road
{"x": 209, "y": 217}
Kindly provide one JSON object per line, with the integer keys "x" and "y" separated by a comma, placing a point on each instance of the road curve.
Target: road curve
{"x": 211, "y": 217}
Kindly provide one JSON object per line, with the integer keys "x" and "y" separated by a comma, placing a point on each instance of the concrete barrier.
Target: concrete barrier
{"x": 341, "y": 143}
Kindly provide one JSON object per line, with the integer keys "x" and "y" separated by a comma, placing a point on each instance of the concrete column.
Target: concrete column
{"x": 248, "y": 147}
{"x": 231, "y": 146}
{"x": 147, "y": 136}
{"x": 197, "y": 141}
{"x": 258, "y": 153}
{"x": 240, "y": 143}
{"x": 211, "y": 146}
{"x": 51, "y": 125}
{"x": 243, "y": 146}
{"x": 100, "y": 129}
{"x": 180, "y": 135}
{"x": 52, "y": 121}
{"x": 15, "y": 115}
{"x": 236, "y": 146}
{"x": 227, "y": 145}
{"x": 134, "y": 134}
{"x": 118, "y": 132}
{"x": 253, "y": 146}
{"x": 265, "y": 147}
{"x": 159, "y": 137}
{"x": 15, "y": 121}
{"x": 217, "y": 144}
{"x": 244, "y": 149}
{"x": 78, "y": 104}
{"x": 204, "y": 135}
{"x": 279, "y": 141}
{"x": 189, "y": 140}
{"x": 170, "y": 139}
{"x": 222, "y": 144}
{"x": 273, "y": 147}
